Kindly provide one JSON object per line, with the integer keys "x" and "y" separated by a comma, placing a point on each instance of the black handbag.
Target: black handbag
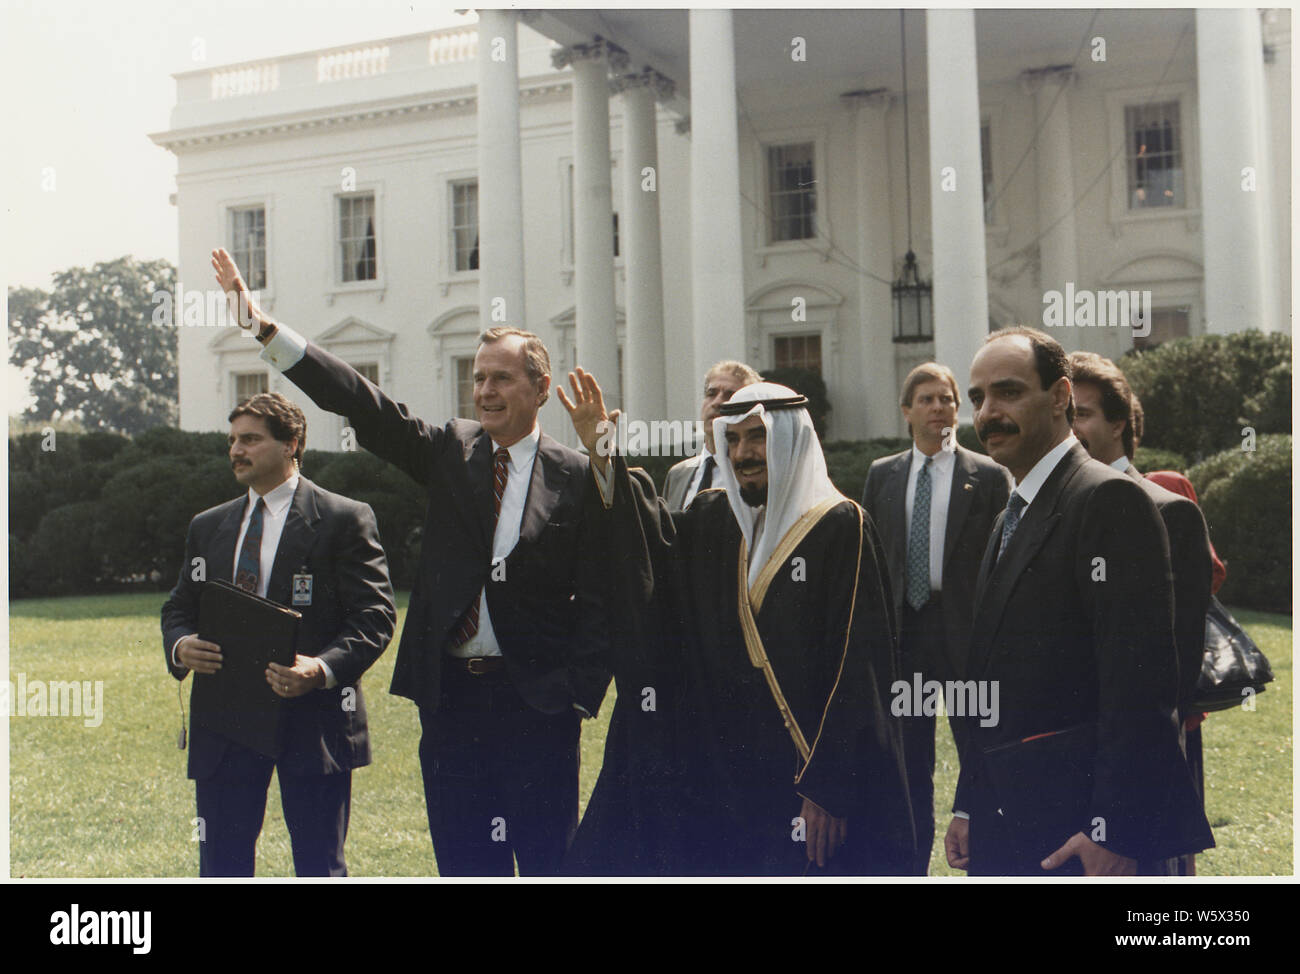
{"x": 1232, "y": 663}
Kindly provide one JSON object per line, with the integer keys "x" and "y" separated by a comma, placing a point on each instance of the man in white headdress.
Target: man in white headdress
{"x": 756, "y": 645}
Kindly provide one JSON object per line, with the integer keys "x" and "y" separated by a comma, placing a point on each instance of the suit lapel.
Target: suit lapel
{"x": 295, "y": 541}
{"x": 964, "y": 485}
{"x": 998, "y": 579}
{"x": 895, "y": 502}
{"x": 544, "y": 489}
{"x": 223, "y": 542}
{"x": 478, "y": 471}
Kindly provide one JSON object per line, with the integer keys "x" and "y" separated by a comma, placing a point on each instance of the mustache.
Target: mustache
{"x": 994, "y": 426}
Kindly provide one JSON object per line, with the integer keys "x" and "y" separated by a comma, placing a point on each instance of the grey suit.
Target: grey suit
{"x": 678, "y": 481}
{"x": 934, "y": 640}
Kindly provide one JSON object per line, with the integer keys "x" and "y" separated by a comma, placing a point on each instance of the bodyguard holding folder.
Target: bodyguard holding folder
{"x": 289, "y": 544}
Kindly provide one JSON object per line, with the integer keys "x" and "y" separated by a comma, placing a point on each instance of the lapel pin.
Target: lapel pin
{"x": 969, "y": 486}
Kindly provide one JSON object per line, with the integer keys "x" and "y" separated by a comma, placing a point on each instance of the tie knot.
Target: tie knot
{"x": 1015, "y": 503}
{"x": 502, "y": 455}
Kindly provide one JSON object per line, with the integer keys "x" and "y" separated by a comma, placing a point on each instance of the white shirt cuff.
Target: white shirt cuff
{"x": 605, "y": 482}
{"x": 285, "y": 349}
{"x": 964, "y": 815}
{"x": 176, "y": 662}
{"x": 330, "y": 681}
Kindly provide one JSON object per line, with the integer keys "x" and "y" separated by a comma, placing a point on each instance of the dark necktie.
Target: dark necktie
{"x": 918, "y": 541}
{"x": 249, "y": 566}
{"x": 706, "y": 479}
{"x": 1015, "y": 506}
{"x": 501, "y": 472}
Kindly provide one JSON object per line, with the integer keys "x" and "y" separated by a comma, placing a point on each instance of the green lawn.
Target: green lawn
{"x": 113, "y": 800}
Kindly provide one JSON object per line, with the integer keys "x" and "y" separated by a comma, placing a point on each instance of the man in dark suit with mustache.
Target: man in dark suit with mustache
{"x": 291, "y": 542}
{"x": 1082, "y": 771}
{"x": 934, "y": 506}
{"x": 503, "y": 644}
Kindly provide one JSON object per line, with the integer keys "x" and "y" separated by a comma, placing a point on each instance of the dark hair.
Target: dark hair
{"x": 1050, "y": 359}
{"x": 1116, "y": 396}
{"x": 537, "y": 360}
{"x": 283, "y": 418}
{"x": 1139, "y": 424}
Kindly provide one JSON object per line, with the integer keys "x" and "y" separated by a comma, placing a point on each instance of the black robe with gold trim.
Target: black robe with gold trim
{"x": 701, "y": 775}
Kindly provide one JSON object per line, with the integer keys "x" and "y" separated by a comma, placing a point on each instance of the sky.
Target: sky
{"x": 85, "y": 83}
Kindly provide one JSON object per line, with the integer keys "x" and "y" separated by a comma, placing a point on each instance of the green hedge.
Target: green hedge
{"x": 1198, "y": 393}
{"x": 1246, "y": 497}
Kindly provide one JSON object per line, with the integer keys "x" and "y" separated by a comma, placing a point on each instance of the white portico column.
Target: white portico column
{"x": 500, "y": 174}
{"x": 1057, "y": 248}
{"x": 717, "y": 257}
{"x": 961, "y": 294}
{"x": 593, "y": 209}
{"x": 645, "y": 391}
{"x": 874, "y": 401}
{"x": 1239, "y": 292}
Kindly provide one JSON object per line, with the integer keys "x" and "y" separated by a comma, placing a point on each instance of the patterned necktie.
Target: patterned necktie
{"x": 501, "y": 473}
{"x": 249, "y": 566}
{"x": 1015, "y": 505}
{"x": 918, "y": 541}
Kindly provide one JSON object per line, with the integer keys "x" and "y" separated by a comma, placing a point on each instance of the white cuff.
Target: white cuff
{"x": 285, "y": 349}
{"x": 176, "y": 662}
{"x": 330, "y": 681}
{"x": 605, "y": 482}
{"x": 964, "y": 815}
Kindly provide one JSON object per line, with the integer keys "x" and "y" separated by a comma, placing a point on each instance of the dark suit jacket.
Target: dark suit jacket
{"x": 1193, "y": 566}
{"x": 678, "y": 481}
{"x": 1066, "y": 650}
{"x": 980, "y": 487}
{"x": 549, "y": 588}
{"x": 348, "y": 625}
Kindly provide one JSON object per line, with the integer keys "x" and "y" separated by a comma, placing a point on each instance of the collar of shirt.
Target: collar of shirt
{"x": 523, "y": 450}
{"x": 1122, "y": 464}
{"x": 943, "y": 459}
{"x": 1034, "y": 480}
{"x": 278, "y": 498}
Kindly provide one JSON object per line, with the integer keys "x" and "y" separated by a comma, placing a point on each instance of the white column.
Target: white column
{"x": 961, "y": 294}
{"x": 717, "y": 255}
{"x": 1059, "y": 261}
{"x": 1230, "y": 92}
{"x": 874, "y": 400}
{"x": 646, "y": 394}
{"x": 593, "y": 212}
{"x": 500, "y": 175}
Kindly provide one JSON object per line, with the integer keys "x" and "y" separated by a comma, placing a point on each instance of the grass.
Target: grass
{"x": 113, "y": 800}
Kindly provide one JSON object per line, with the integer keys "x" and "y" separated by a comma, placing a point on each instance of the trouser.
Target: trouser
{"x": 231, "y": 806}
{"x": 921, "y": 635}
{"x": 500, "y": 778}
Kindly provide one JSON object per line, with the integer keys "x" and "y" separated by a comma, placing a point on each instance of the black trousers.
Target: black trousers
{"x": 232, "y": 805}
{"x": 500, "y": 779}
{"x": 920, "y": 636}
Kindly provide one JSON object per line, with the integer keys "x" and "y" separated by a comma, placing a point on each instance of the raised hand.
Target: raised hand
{"x": 238, "y": 299}
{"x": 587, "y": 413}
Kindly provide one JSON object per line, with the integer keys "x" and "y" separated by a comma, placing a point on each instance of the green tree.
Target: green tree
{"x": 92, "y": 350}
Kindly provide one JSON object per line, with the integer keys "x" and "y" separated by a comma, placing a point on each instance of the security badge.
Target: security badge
{"x": 302, "y": 590}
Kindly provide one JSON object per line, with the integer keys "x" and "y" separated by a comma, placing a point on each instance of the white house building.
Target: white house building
{"x": 654, "y": 190}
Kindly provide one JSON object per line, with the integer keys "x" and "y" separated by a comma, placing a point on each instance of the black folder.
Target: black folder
{"x": 236, "y": 701}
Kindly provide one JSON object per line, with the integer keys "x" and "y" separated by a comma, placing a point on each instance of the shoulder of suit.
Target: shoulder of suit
{"x": 683, "y": 465}
{"x": 884, "y": 462}
{"x": 556, "y": 452}
{"x": 331, "y": 501}
{"x": 219, "y": 512}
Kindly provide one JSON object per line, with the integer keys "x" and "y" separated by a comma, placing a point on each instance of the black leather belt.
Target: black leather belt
{"x": 477, "y": 665}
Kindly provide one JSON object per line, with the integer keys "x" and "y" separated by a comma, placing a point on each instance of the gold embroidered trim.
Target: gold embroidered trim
{"x": 758, "y": 657}
{"x": 844, "y": 655}
{"x": 798, "y": 531}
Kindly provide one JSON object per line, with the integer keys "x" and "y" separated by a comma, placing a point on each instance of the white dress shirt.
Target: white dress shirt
{"x": 523, "y": 455}
{"x": 277, "y": 502}
{"x": 1122, "y": 464}
{"x": 1029, "y": 487}
{"x": 697, "y": 475}
{"x": 941, "y": 471}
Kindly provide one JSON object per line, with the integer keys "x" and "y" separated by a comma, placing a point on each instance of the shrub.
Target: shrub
{"x": 1246, "y": 497}
{"x": 1198, "y": 393}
